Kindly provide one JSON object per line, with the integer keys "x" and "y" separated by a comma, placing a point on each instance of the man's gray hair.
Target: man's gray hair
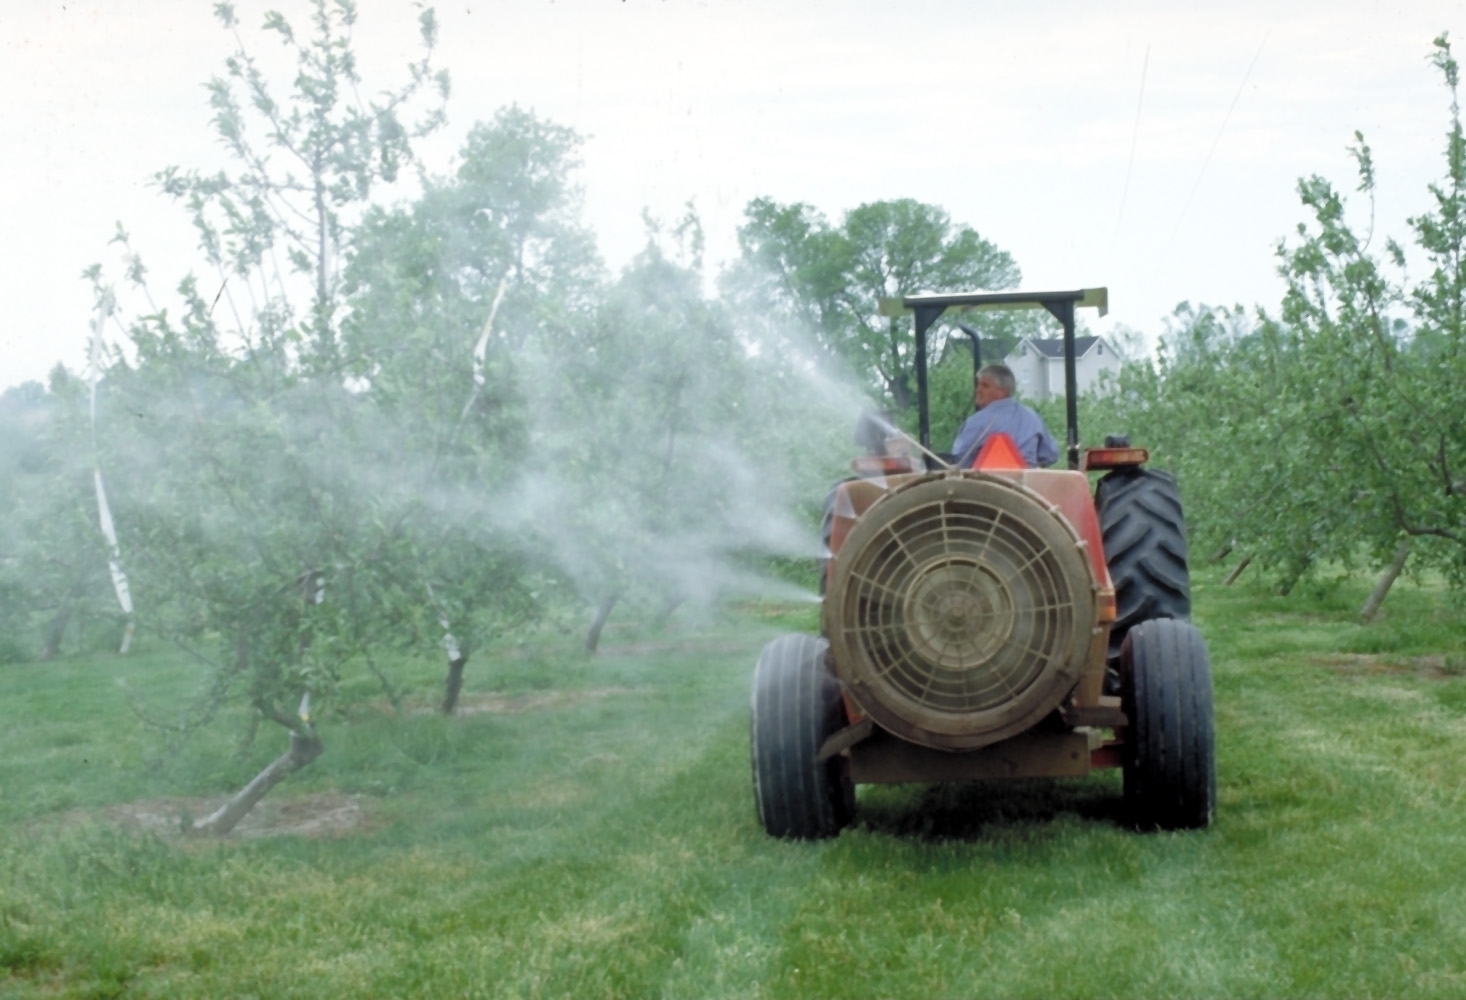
{"x": 1002, "y": 377}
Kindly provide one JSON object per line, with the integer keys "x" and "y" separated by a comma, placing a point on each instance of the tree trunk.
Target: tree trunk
{"x": 603, "y": 611}
{"x": 1222, "y": 552}
{"x": 304, "y": 748}
{"x": 56, "y": 631}
{"x": 664, "y": 613}
{"x": 1386, "y": 581}
{"x": 454, "y": 684}
{"x": 1236, "y": 572}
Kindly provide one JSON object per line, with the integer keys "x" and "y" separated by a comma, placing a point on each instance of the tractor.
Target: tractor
{"x": 992, "y": 622}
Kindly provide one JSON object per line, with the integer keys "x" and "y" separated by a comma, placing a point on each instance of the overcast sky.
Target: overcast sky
{"x": 1150, "y": 147}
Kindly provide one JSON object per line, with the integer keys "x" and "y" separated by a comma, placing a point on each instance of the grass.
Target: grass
{"x": 593, "y": 836}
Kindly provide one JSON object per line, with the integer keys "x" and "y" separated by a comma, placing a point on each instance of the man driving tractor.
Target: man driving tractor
{"x": 999, "y": 413}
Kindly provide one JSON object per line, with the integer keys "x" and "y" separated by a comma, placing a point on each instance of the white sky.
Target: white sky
{"x": 1018, "y": 119}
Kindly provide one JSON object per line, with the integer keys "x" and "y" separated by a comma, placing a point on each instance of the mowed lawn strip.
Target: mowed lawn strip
{"x": 593, "y": 835}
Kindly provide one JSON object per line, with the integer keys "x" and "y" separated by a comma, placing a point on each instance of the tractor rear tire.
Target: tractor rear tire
{"x": 1170, "y": 770}
{"x": 1144, "y": 536}
{"x": 796, "y": 707}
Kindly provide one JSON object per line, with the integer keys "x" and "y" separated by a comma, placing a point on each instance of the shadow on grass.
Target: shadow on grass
{"x": 974, "y": 810}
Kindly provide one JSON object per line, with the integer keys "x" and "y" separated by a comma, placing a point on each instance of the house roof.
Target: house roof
{"x": 1053, "y": 347}
{"x": 992, "y": 350}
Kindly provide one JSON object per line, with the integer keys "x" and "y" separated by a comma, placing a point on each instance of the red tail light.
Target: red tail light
{"x": 1113, "y": 458}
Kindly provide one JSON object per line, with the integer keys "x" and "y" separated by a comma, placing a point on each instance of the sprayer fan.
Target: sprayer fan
{"x": 963, "y": 606}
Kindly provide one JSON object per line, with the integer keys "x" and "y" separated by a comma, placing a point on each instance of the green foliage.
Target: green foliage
{"x": 666, "y": 451}
{"x": 1218, "y": 408}
{"x": 304, "y": 167}
{"x": 446, "y": 293}
{"x": 53, "y": 570}
{"x": 424, "y": 280}
{"x": 262, "y": 504}
{"x": 1387, "y": 360}
{"x": 261, "y": 529}
{"x": 830, "y": 279}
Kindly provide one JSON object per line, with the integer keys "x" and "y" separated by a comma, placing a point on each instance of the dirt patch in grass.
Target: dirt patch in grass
{"x": 534, "y": 701}
{"x": 319, "y": 815}
{"x": 1434, "y": 667}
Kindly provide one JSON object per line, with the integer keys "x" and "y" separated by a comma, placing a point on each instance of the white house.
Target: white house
{"x": 1038, "y": 365}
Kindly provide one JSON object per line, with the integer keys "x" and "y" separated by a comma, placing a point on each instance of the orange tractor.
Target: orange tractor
{"x": 992, "y": 622}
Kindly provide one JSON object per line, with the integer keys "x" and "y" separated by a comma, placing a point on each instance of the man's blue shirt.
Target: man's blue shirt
{"x": 1010, "y": 417}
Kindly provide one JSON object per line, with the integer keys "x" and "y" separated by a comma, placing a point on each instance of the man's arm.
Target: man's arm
{"x": 1048, "y": 448}
{"x": 972, "y": 431}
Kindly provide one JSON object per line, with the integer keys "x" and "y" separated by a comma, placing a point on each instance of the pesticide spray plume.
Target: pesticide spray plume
{"x": 664, "y": 472}
{"x": 892, "y": 431}
{"x": 649, "y": 469}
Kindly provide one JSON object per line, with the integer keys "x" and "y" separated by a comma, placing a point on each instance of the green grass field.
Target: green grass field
{"x": 586, "y": 829}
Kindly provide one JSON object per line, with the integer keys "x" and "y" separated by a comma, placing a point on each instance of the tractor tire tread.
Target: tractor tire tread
{"x": 1170, "y": 778}
{"x": 1143, "y": 531}
{"x": 796, "y": 706}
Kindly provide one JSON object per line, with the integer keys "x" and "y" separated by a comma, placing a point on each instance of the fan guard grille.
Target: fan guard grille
{"x": 964, "y": 608}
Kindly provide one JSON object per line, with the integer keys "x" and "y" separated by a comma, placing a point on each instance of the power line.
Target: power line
{"x": 1134, "y": 138}
{"x": 1226, "y": 118}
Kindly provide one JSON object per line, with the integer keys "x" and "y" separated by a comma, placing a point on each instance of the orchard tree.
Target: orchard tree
{"x": 305, "y": 167}
{"x": 259, "y": 497}
{"x": 1382, "y": 361}
{"x": 257, "y": 521}
{"x": 655, "y": 475}
{"x": 444, "y": 292}
{"x": 616, "y": 402}
{"x": 1221, "y": 406}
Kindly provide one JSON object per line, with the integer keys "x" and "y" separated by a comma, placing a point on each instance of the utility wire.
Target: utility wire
{"x": 1134, "y": 139}
{"x": 1226, "y": 118}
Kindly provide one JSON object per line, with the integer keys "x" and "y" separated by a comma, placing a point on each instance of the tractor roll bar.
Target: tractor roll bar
{"x": 928, "y": 308}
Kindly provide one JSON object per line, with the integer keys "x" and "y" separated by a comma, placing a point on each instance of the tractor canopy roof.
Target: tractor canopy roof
{"x": 928, "y": 307}
{"x": 1098, "y": 298}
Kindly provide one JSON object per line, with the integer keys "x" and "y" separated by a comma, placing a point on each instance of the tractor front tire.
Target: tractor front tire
{"x": 1144, "y": 535}
{"x": 796, "y": 707}
{"x": 1170, "y": 770}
